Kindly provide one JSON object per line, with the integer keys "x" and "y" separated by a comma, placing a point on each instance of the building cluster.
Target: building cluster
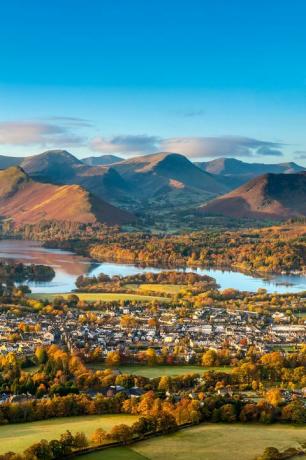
{"x": 141, "y": 329}
{"x": 22, "y": 334}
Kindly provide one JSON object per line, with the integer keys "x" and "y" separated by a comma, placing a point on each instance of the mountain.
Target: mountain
{"x": 162, "y": 173}
{"x": 101, "y": 160}
{"x": 232, "y": 166}
{"x": 52, "y": 165}
{"x": 236, "y": 172}
{"x": 104, "y": 182}
{"x": 271, "y": 196}
{"x": 26, "y": 201}
{"x": 61, "y": 167}
{"x": 167, "y": 179}
{"x": 7, "y": 161}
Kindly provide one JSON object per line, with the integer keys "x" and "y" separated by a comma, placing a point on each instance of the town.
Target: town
{"x": 173, "y": 332}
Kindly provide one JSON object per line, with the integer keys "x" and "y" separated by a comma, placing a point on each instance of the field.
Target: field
{"x": 158, "y": 371}
{"x": 30, "y": 369}
{"x": 18, "y": 437}
{"x": 103, "y": 296}
{"x": 210, "y": 442}
{"x": 169, "y": 289}
{"x": 115, "y": 453}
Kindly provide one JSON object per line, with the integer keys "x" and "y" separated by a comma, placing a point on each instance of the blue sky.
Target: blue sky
{"x": 201, "y": 77}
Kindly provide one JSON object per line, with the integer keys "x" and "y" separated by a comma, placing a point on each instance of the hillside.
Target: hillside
{"x": 271, "y": 196}
{"x": 161, "y": 173}
{"x": 61, "y": 167}
{"x": 101, "y": 160}
{"x": 7, "y": 161}
{"x": 52, "y": 165}
{"x": 163, "y": 179}
{"x": 25, "y": 201}
{"x": 233, "y": 172}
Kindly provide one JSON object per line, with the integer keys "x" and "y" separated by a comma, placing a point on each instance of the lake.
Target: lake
{"x": 68, "y": 266}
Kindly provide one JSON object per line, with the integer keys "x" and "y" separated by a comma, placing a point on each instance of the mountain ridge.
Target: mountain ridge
{"x": 102, "y": 160}
{"x": 270, "y": 196}
{"x": 26, "y": 201}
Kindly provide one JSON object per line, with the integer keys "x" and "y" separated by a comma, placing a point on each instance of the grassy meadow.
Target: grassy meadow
{"x": 103, "y": 296}
{"x": 158, "y": 371}
{"x": 209, "y": 442}
{"x": 168, "y": 289}
{"x": 18, "y": 437}
{"x": 115, "y": 453}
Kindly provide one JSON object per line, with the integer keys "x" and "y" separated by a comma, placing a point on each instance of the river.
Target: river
{"x": 68, "y": 266}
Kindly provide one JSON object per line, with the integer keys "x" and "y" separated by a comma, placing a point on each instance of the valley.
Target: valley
{"x": 165, "y": 191}
{"x": 152, "y": 230}
{"x": 69, "y": 266}
{"x": 137, "y": 306}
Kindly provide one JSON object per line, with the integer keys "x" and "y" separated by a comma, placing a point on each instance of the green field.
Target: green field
{"x": 102, "y": 296}
{"x": 209, "y": 442}
{"x": 17, "y": 437}
{"x": 158, "y": 371}
{"x": 301, "y": 315}
{"x": 30, "y": 369}
{"x": 171, "y": 289}
{"x": 115, "y": 453}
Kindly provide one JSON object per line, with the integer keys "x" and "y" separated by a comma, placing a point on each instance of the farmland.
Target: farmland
{"x": 158, "y": 371}
{"x": 209, "y": 442}
{"x": 103, "y": 297}
{"x": 19, "y": 436}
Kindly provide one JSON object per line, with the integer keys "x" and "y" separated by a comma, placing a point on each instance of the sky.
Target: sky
{"x": 129, "y": 77}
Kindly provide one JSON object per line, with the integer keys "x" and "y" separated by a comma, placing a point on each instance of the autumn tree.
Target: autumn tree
{"x": 98, "y": 437}
{"x": 209, "y": 358}
{"x": 274, "y": 396}
{"x": 122, "y": 433}
{"x": 113, "y": 358}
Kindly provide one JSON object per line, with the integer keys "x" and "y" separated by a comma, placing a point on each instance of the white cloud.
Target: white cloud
{"x": 235, "y": 146}
{"x": 134, "y": 144}
{"x": 63, "y": 132}
{"x": 31, "y": 133}
{"x": 300, "y": 154}
{"x": 194, "y": 147}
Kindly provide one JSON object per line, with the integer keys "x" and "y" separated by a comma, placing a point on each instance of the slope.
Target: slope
{"x": 271, "y": 196}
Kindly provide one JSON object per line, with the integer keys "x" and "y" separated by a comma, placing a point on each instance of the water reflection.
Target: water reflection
{"x": 69, "y": 266}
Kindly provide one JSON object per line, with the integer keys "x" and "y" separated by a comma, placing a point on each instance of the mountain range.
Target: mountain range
{"x": 112, "y": 189}
{"x": 235, "y": 172}
{"x": 128, "y": 183}
{"x": 163, "y": 175}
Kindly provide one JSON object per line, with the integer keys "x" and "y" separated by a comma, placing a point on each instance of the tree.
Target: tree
{"x": 228, "y": 413}
{"x": 57, "y": 448}
{"x": 151, "y": 356}
{"x": 144, "y": 425}
{"x": 41, "y": 355}
{"x": 80, "y": 440}
{"x": 270, "y": 453}
{"x": 72, "y": 300}
{"x": 166, "y": 423}
{"x": 67, "y": 439}
{"x": 164, "y": 383}
{"x": 294, "y": 412}
{"x": 41, "y": 451}
{"x": 209, "y": 358}
{"x": 125, "y": 380}
{"x": 122, "y": 433}
{"x": 98, "y": 437}
{"x": 113, "y": 358}
{"x": 128, "y": 321}
{"x": 274, "y": 396}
